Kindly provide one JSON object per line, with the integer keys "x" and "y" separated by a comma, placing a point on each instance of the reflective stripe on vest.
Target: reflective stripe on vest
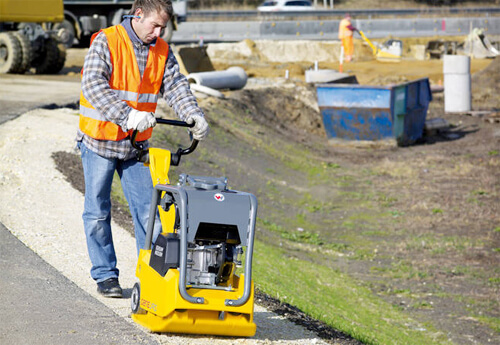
{"x": 125, "y": 81}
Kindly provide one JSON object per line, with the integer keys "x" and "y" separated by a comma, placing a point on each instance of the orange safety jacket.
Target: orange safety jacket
{"x": 141, "y": 94}
{"x": 343, "y": 28}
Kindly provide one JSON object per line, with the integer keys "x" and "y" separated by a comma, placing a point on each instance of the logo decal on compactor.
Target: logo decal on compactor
{"x": 219, "y": 197}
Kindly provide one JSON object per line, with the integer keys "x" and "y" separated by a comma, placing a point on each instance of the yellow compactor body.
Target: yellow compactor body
{"x": 187, "y": 274}
{"x": 383, "y": 53}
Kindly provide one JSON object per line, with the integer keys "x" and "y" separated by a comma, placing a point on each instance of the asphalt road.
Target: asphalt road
{"x": 21, "y": 93}
{"x": 39, "y": 304}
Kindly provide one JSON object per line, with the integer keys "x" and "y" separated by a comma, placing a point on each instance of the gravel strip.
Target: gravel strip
{"x": 44, "y": 212}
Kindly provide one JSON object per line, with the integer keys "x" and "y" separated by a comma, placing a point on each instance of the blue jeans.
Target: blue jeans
{"x": 137, "y": 187}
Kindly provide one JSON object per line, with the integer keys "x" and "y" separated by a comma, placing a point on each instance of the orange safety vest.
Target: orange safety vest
{"x": 343, "y": 30}
{"x": 126, "y": 82}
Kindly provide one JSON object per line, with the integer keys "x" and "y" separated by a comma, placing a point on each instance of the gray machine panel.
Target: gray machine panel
{"x": 212, "y": 206}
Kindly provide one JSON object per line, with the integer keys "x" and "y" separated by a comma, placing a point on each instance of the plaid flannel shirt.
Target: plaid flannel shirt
{"x": 97, "y": 71}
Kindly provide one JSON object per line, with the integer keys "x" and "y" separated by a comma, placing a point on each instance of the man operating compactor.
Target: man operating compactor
{"x": 346, "y": 31}
{"x": 128, "y": 66}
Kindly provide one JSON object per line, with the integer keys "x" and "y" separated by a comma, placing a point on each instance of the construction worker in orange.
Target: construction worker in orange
{"x": 346, "y": 31}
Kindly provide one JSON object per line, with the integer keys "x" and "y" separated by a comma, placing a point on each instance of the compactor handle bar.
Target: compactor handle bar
{"x": 143, "y": 155}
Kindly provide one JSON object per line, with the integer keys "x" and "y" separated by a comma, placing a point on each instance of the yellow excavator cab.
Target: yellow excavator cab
{"x": 31, "y": 11}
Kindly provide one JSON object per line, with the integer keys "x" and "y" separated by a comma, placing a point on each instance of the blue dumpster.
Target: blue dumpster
{"x": 361, "y": 112}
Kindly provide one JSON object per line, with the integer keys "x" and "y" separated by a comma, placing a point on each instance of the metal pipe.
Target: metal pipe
{"x": 249, "y": 256}
{"x": 180, "y": 196}
{"x": 152, "y": 217}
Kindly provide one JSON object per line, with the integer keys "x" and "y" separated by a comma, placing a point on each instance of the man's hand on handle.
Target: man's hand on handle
{"x": 200, "y": 129}
{"x": 140, "y": 120}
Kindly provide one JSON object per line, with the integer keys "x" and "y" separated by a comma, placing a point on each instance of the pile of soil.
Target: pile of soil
{"x": 291, "y": 110}
{"x": 485, "y": 87}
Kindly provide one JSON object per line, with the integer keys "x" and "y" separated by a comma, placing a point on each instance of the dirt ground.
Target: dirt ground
{"x": 438, "y": 256}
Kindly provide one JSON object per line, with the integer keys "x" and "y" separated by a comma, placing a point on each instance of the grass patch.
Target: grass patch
{"x": 385, "y": 200}
{"x": 303, "y": 237}
{"x": 441, "y": 244}
{"x": 352, "y": 308}
{"x": 495, "y": 281}
{"x": 312, "y": 205}
{"x": 300, "y": 235}
{"x": 378, "y": 233}
{"x": 422, "y": 305}
{"x": 400, "y": 270}
{"x": 396, "y": 169}
{"x": 492, "y": 322}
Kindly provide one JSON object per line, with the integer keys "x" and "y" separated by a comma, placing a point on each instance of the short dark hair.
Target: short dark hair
{"x": 150, "y": 6}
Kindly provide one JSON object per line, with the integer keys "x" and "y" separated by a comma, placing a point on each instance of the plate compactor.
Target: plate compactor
{"x": 187, "y": 277}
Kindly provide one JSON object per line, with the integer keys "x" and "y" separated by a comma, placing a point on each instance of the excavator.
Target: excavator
{"x": 33, "y": 37}
{"x": 26, "y": 41}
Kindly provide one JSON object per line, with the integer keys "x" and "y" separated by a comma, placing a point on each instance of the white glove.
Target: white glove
{"x": 140, "y": 120}
{"x": 200, "y": 129}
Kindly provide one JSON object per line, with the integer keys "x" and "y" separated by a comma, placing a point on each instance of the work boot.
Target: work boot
{"x": 110, "y": 288}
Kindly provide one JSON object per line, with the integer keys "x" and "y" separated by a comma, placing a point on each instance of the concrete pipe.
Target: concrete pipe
{"x": 233, "y": 78}
{"x": 324, "y": 76}
{"x": 206, "y": 90}
{"x": 457, "y": 84}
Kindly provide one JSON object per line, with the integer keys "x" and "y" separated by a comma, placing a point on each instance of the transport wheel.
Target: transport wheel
{"x": 10, "y": 53}
{"x": 66, "y": 32}
{"x": 135, "y": 299}
{"x": 51, "y": 59}
{"x": 26, "y": 52}
{"x": 61, "y": 58}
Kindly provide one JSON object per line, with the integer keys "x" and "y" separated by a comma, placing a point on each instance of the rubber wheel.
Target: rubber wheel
{"x": 10, "y": 53}
{"x": 168, "y": 32}
{"x": 51, "y": 59}
{"x": 66, "y": 32}
{"x": 26, "y": 50}
{"x": 61, "y": 58}
{"x": 135, "y": 299}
